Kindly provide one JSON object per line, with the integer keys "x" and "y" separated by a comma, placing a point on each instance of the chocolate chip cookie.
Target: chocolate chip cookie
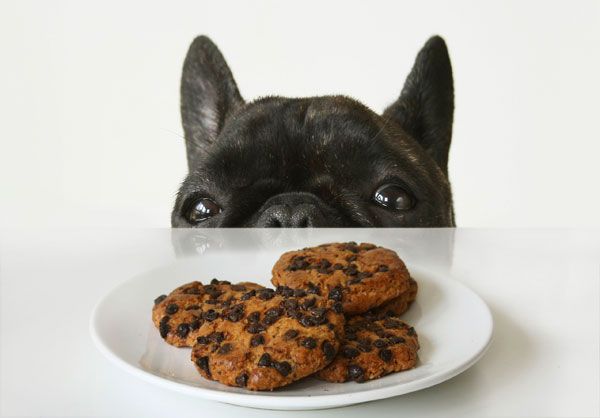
{"x": 270, "y": 339}
{"x": 179, "y": 315}
{"x": 362, "y": 276}
{"x": 374, "y": 345}
{"x": 400, "y": 304}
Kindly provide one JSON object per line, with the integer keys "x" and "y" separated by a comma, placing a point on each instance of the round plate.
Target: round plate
{"x": 453, "y": 323}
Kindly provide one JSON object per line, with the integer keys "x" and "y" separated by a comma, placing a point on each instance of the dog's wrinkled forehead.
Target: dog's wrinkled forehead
{"x": 276, "y": 136}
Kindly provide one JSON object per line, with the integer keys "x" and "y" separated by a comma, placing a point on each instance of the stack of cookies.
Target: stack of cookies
{"x": 334, "y": 314}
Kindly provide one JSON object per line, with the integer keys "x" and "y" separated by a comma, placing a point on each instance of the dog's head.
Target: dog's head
{"x": 319, "y": 161}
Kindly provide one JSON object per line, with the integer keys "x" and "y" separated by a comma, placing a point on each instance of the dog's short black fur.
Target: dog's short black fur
{"x": 319, "y": 161}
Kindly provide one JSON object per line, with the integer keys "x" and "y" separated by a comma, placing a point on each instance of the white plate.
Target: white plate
{"x": 453, "y": 323}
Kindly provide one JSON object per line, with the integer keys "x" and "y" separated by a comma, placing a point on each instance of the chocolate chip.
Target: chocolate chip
{"x": 318, "y": 312}
{"x": 313, "y": 289}
{"x": 225, "y": 348}
{"x": 350, "y": 352}
{"x": 203, "y": 339}
{"x": 392, "y": 324}
{"x": 241, "y": 380}
{"x": 202, "y": 363}
{"x": 308, "y": 302}
{"x": 269, "y": 320}
{"x": 350, "y": 337}
{"x": 164, "y": 329}
{"x": 351, "y": 270}
{"x": 367, "y": 246}
{"x": 159, "y": 299}
{"x": 238, "y": 288}
{"x": 373, "y": 327}
{"x": 381, "y": 333}
{"x": 257, "y": 340}
{"x": 297, "y": 263}
{"x": 411, "y": 332}
{"x": 356, "y": 280}
{"x": 165, "y": 319}
{"x": 328, "y": 350}
{"x": 352, "y": 247}
{"x": 274, "y": 312}
{"x": 383, "y": 268}
{"x": 338, "y": 307}
{"x": 290, "y": 303}
{"x": 248, "y": 295}
{"x": 299, "y": 293}
{"x": 235, "y": 315}
{"x": 214, "y": 281}
{"x": 379, "y": 343}
{"x": 214, "y": 293}
{"x": 307, "y": 321}
{"x": 216, "y": 337}
{"x": 364, "y": 345}
{"x": 266, "y": 294}
{"x": 330, "y": 326}
{"x": 265, "y": 360}
{"x": 355, "y": 372}
{"x": 254, "y": 317}
{"x": 255, "y": 328}
{"x": 352, "y": 329}
{"x": 396, "y": 340}
{"x": 284, "y": 368}
{"x": 183, "y": 330}
{"x": 294, "y": 313}
{"x": 284, "y": 291}
{"x": 211, "y": 302}
{"x": 210, "y": 315}
{"x": 338, "y": 266}
{"x": 309, "y": 343}
{"x": 172, "y": 308}
{"x": 290, "y": 334}
{"x": 192, "y": 307}
{"x": 385, "y": 354}
{"x": 336, "y": 294}
{"x": 195, "y": 324}
{"x": 351, "y": 258}
{"x": 365, "y": 274}
{"x": 225, "y": 282}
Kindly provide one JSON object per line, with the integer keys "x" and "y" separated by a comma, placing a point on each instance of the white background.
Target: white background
{"x": 90, "y": 131}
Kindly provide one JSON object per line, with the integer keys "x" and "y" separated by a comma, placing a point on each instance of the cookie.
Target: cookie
{"x": 362, "y": 276}
{"x": 400, "y": 304}
{"x": 179, "y": 315}
{"x": 374, "y": 345}
{"x": 273, "y": 339}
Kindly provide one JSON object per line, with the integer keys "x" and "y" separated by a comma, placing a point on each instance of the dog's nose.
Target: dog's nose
{"x": 285, "y": 216}
{"x": 297, "y": 210}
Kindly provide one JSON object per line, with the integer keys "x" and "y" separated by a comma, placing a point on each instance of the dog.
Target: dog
{"x": 319, "y": 161}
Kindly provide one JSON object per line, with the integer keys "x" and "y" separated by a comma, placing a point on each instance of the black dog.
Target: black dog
{"x": 319, "y": 161}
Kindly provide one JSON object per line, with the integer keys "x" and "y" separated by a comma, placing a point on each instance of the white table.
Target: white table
{"x": 543, "y": 287}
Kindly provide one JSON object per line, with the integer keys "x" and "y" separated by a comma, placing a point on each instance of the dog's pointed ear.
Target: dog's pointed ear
{"x": 425, "y": 107}
{"x": 209, "y": 95}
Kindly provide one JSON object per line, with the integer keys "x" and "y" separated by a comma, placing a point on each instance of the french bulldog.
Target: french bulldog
{"x": 325, "y": 161}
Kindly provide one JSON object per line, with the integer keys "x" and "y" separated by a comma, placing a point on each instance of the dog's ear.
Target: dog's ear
{"x": 208, "y": 95}
{"x": 425, "y": 107}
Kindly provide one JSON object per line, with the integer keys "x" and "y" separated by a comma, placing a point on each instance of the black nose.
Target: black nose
{"x": 297, "y": 210}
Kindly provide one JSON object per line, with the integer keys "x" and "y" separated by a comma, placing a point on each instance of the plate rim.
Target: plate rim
{"x": 282, "y": 402}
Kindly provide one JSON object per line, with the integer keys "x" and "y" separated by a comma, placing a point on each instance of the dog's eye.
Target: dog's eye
{"x": 201, "y": 210}
{"x": 394, "y": 197}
